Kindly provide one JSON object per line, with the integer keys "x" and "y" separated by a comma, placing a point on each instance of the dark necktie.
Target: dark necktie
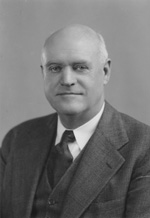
{"x": 62, "y": 158}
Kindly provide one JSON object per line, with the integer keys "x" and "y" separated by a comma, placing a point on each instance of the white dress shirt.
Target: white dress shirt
{"x": 82, "y": 133}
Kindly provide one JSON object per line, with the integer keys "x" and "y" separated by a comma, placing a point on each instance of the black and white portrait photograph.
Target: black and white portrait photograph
{"x": 74, "y": 109}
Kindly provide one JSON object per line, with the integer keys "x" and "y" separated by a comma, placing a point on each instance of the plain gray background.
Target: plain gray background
{"x": 24, "y": 25}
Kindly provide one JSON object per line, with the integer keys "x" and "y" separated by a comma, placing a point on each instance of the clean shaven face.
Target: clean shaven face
{"x": 74, "y": 77}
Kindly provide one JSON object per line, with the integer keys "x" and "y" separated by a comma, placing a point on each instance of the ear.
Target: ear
{"x": 107, "y": 71}
{"x": 42, "y": 70}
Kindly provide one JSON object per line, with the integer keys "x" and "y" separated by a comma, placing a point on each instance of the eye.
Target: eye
{"x": 54, "y": 68}
{"x": 80, "y": 67}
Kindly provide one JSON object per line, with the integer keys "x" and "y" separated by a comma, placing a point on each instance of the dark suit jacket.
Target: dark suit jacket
{"x": 112, "y": 179}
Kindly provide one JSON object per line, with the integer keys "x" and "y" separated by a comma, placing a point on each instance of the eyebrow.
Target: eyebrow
{"x": 80, "y": 62}
{"x": 61, "y": 63}
{"x": 50, "y": 63}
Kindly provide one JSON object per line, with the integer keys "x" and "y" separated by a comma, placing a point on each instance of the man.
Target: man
{"x": 103, "y": 170}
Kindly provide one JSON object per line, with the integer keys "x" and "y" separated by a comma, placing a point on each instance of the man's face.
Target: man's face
{"x": 73, "y": 76}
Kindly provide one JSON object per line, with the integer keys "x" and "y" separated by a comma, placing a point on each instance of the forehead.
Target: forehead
{"x": 65, "y": 46}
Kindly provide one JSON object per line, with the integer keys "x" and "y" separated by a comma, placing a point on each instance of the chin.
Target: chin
{"x": 70, "y": 111}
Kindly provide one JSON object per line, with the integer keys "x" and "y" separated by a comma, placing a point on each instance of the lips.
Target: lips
{"x": 69, "y": 93}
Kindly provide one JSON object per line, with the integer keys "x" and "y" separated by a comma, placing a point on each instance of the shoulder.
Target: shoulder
{"x": 27, "y": 129}
{"x": 137, "y": 132}
{"x": 129, "y": 123}
{"x": 36, "y": 122}
{"x": 139, "y": 137}
{"x": 136, "y": 146}
{"x": 134, "y": 126}
{"x": 32, "y": 125}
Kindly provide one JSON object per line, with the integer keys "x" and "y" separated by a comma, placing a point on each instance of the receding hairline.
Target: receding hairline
{"x": 79, "y": 31}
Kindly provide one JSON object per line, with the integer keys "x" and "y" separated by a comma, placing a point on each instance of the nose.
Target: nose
{"x": 67, "y": 77}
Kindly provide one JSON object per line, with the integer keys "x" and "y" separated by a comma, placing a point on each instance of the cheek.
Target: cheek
{"x": 49, "y": 84}
{"x": 48, "y": 90}
{"x": 94, "y": 84}
{"x": 95, "y": 89}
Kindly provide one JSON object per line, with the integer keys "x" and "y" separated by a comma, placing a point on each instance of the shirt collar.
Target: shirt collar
{"x": 82, "y": 133}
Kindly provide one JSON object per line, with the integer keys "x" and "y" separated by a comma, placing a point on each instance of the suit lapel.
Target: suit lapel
{"x": 99, "y": 163}
{"x": 31, "y": 157}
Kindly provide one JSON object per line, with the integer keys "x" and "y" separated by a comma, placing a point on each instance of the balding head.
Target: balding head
{"x": 75, "y": 69}
{"x": 78, "y": 32}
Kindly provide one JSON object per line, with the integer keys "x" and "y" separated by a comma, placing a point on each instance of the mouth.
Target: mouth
{"x": 69, "y": 93}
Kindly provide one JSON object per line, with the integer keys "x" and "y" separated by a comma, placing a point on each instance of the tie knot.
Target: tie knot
{"x": 68, "y": 136}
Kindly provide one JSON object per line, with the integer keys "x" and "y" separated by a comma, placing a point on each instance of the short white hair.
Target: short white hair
{"x": 102, "y": 49}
